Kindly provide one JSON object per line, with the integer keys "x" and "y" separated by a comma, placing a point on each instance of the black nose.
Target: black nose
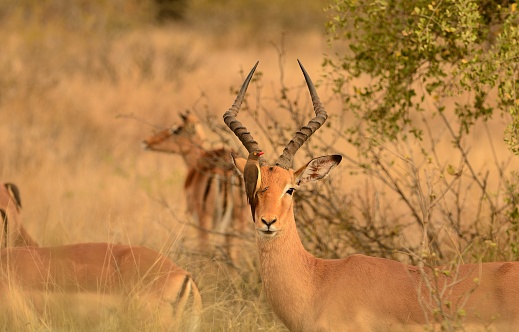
{"x": 267, "y": 222}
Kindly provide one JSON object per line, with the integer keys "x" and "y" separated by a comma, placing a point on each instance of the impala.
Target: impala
{"x": 13, "y": 234}
{"x": 105, "y": 268}
{"x": 213, "y": 189}
{"x": 356, "y": 293}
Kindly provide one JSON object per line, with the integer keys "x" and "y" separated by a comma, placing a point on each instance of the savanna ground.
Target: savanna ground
{"x": 81, "y": 84}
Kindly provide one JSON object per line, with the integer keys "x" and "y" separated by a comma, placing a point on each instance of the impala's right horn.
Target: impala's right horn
{"x": 286, "y": 159}
{"x": 230, "y": 117}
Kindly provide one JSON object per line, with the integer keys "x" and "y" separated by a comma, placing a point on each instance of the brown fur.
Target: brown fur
{"x": 214, "y": 192}
{"x": 103, "y": 268}
{"x": 362, "y": 293}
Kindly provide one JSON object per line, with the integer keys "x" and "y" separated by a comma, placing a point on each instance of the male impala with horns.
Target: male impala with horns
{"x": 356, "y": 293}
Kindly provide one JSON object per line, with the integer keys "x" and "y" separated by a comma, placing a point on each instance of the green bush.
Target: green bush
{"x": 417, "y": 80}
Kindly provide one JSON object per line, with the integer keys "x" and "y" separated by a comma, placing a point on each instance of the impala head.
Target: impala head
{"x": 273, "y": 201}
{"x": 178, "y": 138}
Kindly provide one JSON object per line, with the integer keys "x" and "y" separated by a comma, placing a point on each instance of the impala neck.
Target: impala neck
{"x": 191, "y": 153}
{"x": 288, "y": 274}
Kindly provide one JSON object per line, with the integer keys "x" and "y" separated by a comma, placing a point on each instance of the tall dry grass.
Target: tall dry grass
{"x": 82, "y": 82}
{"x": 68, "y": 71}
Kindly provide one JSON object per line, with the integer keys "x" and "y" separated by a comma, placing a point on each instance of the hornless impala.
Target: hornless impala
{"x": 357, "y": 293}
{"x": 213, "y": 189}
{"x": 12, "y": 233}
{"x": 105, "y": 269}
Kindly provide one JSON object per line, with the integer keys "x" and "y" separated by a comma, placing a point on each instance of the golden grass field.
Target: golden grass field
{"x": 75, "y": 104}
{"x": 80, "y": 168}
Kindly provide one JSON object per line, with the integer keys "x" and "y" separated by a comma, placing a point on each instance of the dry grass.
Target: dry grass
{"x": 82, "y": 174}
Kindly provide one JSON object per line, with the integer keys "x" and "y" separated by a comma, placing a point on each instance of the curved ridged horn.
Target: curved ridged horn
{"x": 285, "y": 160}
{"x": 230, "y": 117}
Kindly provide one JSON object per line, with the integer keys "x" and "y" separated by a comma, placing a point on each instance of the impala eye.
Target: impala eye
{"x": 290, "y": 191}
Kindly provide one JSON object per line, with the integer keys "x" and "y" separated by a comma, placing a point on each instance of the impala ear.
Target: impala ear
{"x": 5, "y": 223}
{"x": 239, "y": 163}
{"x": 316, "y": 169}
{"x": 14, "y": 192}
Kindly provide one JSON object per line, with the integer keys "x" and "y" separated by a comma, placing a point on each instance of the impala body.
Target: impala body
{"x": 213, "y": 190}
{"x": 12, "y": 233}
{"x": 357, "y": 293}
{"x": 104, "y": 268}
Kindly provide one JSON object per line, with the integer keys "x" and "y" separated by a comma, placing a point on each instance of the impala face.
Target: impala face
{"x": 274, "y": 200}
{"x": 178, "y": 139}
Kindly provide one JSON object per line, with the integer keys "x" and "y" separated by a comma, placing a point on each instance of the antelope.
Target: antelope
{"x": 105, "y": 269}
{"x": 213, "y": 190}
{"x": 357, "y": 293}
{"x": 13, "y": 234}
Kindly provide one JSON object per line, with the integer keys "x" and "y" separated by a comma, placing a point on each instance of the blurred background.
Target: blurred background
{"x": 83, "y": 82}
